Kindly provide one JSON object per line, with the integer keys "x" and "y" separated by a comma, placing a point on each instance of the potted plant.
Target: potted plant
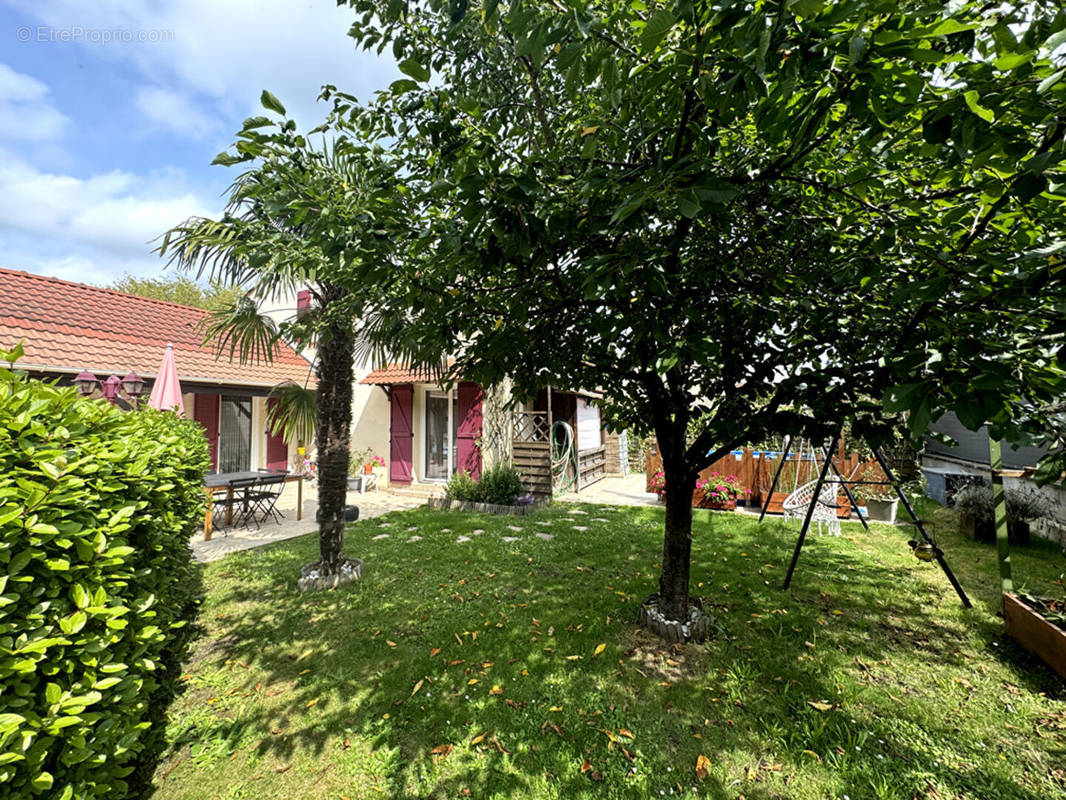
{"x": 977, "y": 513}
{"x": 358, "y": 464}
{"x": 721, "y": 491}
{"x": 377, "y": 465}
{"x": 657, "y": 484}
{"x": 1024, "y": 506}
{"x": 880, "y": 500}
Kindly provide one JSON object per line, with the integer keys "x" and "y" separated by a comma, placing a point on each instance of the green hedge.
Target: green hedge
{"x": 97, "y": 587}
{"x": 500, "y": 485}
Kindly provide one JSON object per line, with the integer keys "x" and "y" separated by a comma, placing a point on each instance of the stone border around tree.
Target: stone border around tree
{"x": 444, "y": 504}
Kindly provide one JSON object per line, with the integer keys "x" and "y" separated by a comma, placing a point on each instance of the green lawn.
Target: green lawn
{"x": 491, "y": 669}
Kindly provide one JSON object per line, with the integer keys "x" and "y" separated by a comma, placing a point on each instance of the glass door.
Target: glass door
{"x": 235, "y": 434}
{"x": 438, "y": 442}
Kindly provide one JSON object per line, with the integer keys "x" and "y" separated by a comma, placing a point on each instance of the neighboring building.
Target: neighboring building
{"x": 70, "y": 327}
{"x": 948, "y": 467}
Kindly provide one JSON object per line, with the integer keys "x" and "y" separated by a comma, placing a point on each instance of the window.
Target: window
{"x": 235, "y": 434}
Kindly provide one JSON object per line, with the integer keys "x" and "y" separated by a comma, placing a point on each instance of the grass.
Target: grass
{"x": 489, "y": 669}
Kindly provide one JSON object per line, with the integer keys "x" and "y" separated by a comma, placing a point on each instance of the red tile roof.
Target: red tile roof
{"x": 398, "y": 373}
{"x": 68, "y": 327}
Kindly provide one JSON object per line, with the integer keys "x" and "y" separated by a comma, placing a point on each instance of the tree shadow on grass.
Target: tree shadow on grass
{"x": 527, "y": 706}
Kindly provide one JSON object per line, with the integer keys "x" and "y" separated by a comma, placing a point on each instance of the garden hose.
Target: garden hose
{"x": 563, "y": 455}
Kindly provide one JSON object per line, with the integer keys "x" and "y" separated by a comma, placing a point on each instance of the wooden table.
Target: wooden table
{"x": 224, "y": 480}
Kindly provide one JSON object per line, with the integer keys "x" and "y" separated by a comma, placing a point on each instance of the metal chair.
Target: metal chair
{"x": 244, "y": 494}
{"x": 825, "y": 508}
{"x": 265, "y": 496}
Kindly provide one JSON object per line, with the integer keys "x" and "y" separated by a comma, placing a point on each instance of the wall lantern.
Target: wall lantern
{"x": 86, "y": 382}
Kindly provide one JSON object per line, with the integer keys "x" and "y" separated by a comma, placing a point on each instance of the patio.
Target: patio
{"x": 234, "y": 539}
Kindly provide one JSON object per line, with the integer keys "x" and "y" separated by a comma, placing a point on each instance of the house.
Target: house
{"x": 426, "y": 432}
{"x": 68, "y": 328}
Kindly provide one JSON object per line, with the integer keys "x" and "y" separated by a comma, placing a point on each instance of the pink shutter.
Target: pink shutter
{"x": 469, "y": 429}
{"x": 401, "y": 434}
{"x": 205, "y": 411}
{"x": 303, "y": 302}
{"x": 277, "y": 449}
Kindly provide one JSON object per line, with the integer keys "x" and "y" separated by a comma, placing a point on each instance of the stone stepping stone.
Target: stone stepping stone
{"x": 510, "y": 539}
{"x": 514, "y": 528}
{"x": 381, "y": 536}
{"x": 462, "y": 539}
{"x": 414, "y": 539}
{"x": 545, "y": 536}
{"x": 412, "y": 528}
{"x": 543, "y": 522}
{"x": 580, "y": 528}
{"x": 579, "y": 512}
{"x": 478, "y": 532}
{"x": 600, "y": 519}
{"x": 445, "y": 530}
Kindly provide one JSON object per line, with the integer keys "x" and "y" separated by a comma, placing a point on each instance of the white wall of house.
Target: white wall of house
{"x": 371, "y": 417}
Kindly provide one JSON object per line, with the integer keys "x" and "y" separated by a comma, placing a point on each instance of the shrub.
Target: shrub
{"x": 500, "y": 485}
{"x": 461, "y": 487}
{"x": 97, "y": 587}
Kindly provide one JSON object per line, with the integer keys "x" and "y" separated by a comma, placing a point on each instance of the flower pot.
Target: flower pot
{"x": 368, "y": 469}
{"x": 722, "y": 505}
{"x": 882, "y": 510}
{"x": 354, "y": 484}
{"x": 1018, "y": 532}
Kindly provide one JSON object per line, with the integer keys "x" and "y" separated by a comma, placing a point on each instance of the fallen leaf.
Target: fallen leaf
{"x": 573, "y": 658}
{"x": 311, "y": 703}
{"x": 440, "y": 751}
{"x": 556, "y": 708}
{"x": 599, "y": 649}
{"x": 586, "y": 765}
{"x": 703, "y": 766}
{"x": 284, "y": 769}
{"x": 820, "y": 706}
{"x": 390, "y": 643}
{"x": 813, "y": 754}
{"x": 628, "y": 734}
{"x": 417, "y": 687}
{"x": 434, "y": 652}
{"x": 495, "y": 690}
{"x": 479, "y": 738}
{"x": 471, "y": 682}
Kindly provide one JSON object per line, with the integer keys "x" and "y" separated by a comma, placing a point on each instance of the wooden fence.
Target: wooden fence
{"x": 755, "y": 471}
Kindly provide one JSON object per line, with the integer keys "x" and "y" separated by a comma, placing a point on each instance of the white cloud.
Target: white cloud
{"x": 88, "y": 229}
{"x": 26, "y": 110}
{"x": 229, "y": 52}
{"x": 174, "y": 111}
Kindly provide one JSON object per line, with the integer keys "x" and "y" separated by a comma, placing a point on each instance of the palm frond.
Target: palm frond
{"x": 251, "y": 336}
{"x": 294, "y": 412}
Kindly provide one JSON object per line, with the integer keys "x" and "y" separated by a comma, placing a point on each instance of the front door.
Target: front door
{"x": 439, "y": 449}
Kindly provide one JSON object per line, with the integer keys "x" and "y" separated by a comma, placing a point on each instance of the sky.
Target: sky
{"x": 111, "y": 112}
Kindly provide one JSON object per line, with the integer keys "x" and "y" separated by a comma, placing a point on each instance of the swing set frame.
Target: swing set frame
{"x": 827, "y": 464}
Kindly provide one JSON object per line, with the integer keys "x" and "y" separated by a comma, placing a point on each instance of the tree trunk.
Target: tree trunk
{"x": 677, "y": 540}
{"x": 335, "y": 376}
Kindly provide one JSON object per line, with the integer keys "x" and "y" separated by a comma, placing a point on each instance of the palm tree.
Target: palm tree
{"x": 299, "y": 217}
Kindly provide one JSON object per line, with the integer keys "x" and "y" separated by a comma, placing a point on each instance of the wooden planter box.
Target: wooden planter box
{"x": 1034, "y": 633}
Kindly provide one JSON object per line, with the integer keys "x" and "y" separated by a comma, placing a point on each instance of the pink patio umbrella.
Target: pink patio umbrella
{"x": 166, "y": 392}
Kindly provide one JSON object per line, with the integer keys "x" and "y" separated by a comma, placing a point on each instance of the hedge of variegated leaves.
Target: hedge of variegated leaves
{"x": 97, "y": 587}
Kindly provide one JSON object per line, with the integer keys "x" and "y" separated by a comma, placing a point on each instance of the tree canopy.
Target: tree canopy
{"x": 179, "y": 289}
